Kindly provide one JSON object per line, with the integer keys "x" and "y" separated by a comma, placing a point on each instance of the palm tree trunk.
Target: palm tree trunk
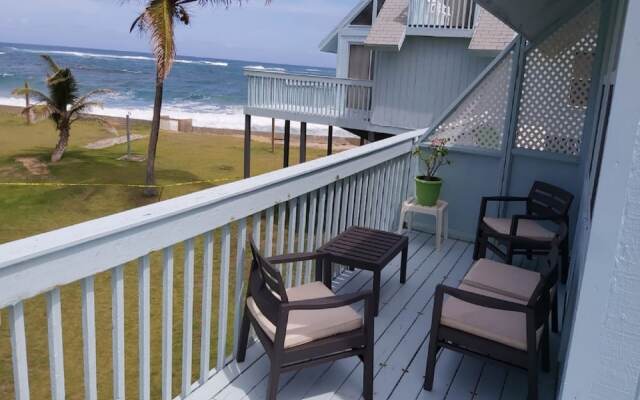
{"x": 153, "y": 139}
{"x": 63, "y": 140}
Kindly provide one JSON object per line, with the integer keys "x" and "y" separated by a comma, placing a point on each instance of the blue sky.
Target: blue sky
{"x": 286, "y": 31}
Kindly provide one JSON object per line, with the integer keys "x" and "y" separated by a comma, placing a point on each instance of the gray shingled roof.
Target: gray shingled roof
{"x": 389, "y": 29}
{"x": 490, "y": 33}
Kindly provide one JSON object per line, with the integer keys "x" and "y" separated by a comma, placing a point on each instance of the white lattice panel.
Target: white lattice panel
{"x": 479, "y": 119}
{"x": 555, "y": 90}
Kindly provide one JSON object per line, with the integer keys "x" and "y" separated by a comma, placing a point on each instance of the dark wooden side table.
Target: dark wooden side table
{"x": 366, "y": 249}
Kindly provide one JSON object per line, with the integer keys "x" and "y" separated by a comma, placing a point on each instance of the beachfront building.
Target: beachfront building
{"x": 399, "y": 65}
{"x": 558, "y": 104}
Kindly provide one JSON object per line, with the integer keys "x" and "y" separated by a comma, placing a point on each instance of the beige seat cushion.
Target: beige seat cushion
{"x": 308, "y": 325}
{"x": 503, "y": 279}
{"x": 506, "y": 327}
{"x": 526, "y": 228}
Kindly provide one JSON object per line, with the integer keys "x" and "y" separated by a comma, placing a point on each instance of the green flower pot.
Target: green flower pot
{"x": 427, "y": 190}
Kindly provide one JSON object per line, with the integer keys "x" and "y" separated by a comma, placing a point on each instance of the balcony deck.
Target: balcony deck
{"x": 402, "y": 329}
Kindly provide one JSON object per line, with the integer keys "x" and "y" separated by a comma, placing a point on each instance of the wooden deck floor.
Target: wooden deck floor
{"x": 402, "y": 330}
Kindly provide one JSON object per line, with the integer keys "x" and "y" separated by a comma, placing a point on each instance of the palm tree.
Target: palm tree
{"x": 158, "y": 19}
{"x": 63, "y": 105}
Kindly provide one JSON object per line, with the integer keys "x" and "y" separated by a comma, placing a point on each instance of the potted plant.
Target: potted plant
{"x": 428, "y": 185}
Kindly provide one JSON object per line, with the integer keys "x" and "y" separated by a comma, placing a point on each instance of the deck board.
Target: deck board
{"x": 401, "y": 334}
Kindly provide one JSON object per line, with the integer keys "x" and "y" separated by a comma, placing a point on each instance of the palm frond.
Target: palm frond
{"x": 37, "y": 95}
{"x": 158, "y": 20}
{"x": 104, "y": 123}
{"x": 52, "y": 64}
{"x": 39, "y": 111}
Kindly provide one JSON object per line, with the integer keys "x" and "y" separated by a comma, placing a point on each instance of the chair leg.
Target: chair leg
{"x": 431, "y": 362}
{"x": 244, "y": 337}
{"x": 546, "y": 363}
{"x": 274, "y": 377}
{"x": 532, "y": 374}
{"x": 367, "y": 379}
{"x": 509, "y": 255}
{"x": 376, "y": 292}
{"x": 403, "y": 263}
{"x": 476, "y": 247}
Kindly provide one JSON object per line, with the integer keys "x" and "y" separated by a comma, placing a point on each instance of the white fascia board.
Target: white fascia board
{"x": 330, "y": 43}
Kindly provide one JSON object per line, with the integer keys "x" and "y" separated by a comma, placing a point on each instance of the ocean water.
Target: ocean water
{"x": 210, "y": 91}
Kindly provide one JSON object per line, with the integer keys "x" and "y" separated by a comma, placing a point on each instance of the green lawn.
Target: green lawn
{"x": 28, "y": 210}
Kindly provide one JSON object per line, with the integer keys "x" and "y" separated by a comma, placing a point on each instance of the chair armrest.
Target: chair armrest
{"x": 515, "y": 220}
{"x": 504, "y": 198}
{"x": 286, "y": 258}
{"x": 322, "y": 303}
{"x": 481, "y": 300}
{"x": 487, "y": 199}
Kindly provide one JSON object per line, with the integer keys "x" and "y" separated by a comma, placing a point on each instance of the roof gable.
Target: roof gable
{"x": 330, "y": 43}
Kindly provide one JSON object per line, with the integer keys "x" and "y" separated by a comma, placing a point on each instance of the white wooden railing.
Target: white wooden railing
{"x": 335, "y": 98}
{"x": 452, "y": 15}
{"x": 294, "y": 209}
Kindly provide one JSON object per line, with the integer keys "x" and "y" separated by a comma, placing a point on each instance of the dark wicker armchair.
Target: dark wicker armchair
{"x": 498, "y": 312}
{"x": 305, "y": 325}
{"x": 523, "y": 234}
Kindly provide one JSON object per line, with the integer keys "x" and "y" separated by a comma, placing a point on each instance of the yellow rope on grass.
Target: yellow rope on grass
{"x": 62, "y": 184}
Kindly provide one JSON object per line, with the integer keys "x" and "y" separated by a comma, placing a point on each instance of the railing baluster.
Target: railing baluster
{"x": 351, "y": 202}
{"x": 144, "y": 327}
{"x": 367, "y": 212}
{"x": 291, "y": 237}
{"x": 329, "y": 212}
{"x": 225, "y": 250}
{"x": 357, "y": 203}
{"x": 337, "y": 209}
{"x": 240, "y": 250}
{"x": 207, "y": 292}
{"x": 386, "y": 211}
{"x": 320, "y": 225}
{"x": 187, "y": 316}
{"x": 117, "y": 316}
{"x": 344, "y": 204}
{"x": 89, "y": 338}
{"x": 56, "y": 354}
{"x": 19, "y": 351}
{"x": 384, "y": 191}
{"x": 268, "y": 234}
{"x": 311, "y": 230}
{"x": 282, "y": 213}
{"x": 302, "y": 226}
{"x": 167, "y": 323}
{"x": 373, "y": 197}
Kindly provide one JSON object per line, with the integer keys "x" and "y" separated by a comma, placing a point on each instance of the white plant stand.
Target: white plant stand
{"x": 439, "y": 211}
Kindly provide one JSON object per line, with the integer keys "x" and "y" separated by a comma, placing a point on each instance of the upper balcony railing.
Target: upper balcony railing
{"x": 201, "y": 240}
{"x": 320, "y": 99}
{"x": 441, "y": 17}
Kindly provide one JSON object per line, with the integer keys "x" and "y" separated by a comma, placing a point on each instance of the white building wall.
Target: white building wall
{"x": 416, "y": 85}
{"x": 604, "y": 350}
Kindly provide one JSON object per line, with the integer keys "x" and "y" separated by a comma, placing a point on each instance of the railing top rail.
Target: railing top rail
{"x": 55, "y": 243}
{"x": 307, "y": 77}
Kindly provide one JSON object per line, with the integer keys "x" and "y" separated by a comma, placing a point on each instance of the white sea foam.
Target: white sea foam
{"x": 2, "y": 52}
{"x": 119, "y": 57}
{"x": 213, "y": 63}
{"x": 263, "y": 68}
{"x": 208, "y": 116}
{"x": 5, "y": 75}
{"x": 312, "y": 70}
